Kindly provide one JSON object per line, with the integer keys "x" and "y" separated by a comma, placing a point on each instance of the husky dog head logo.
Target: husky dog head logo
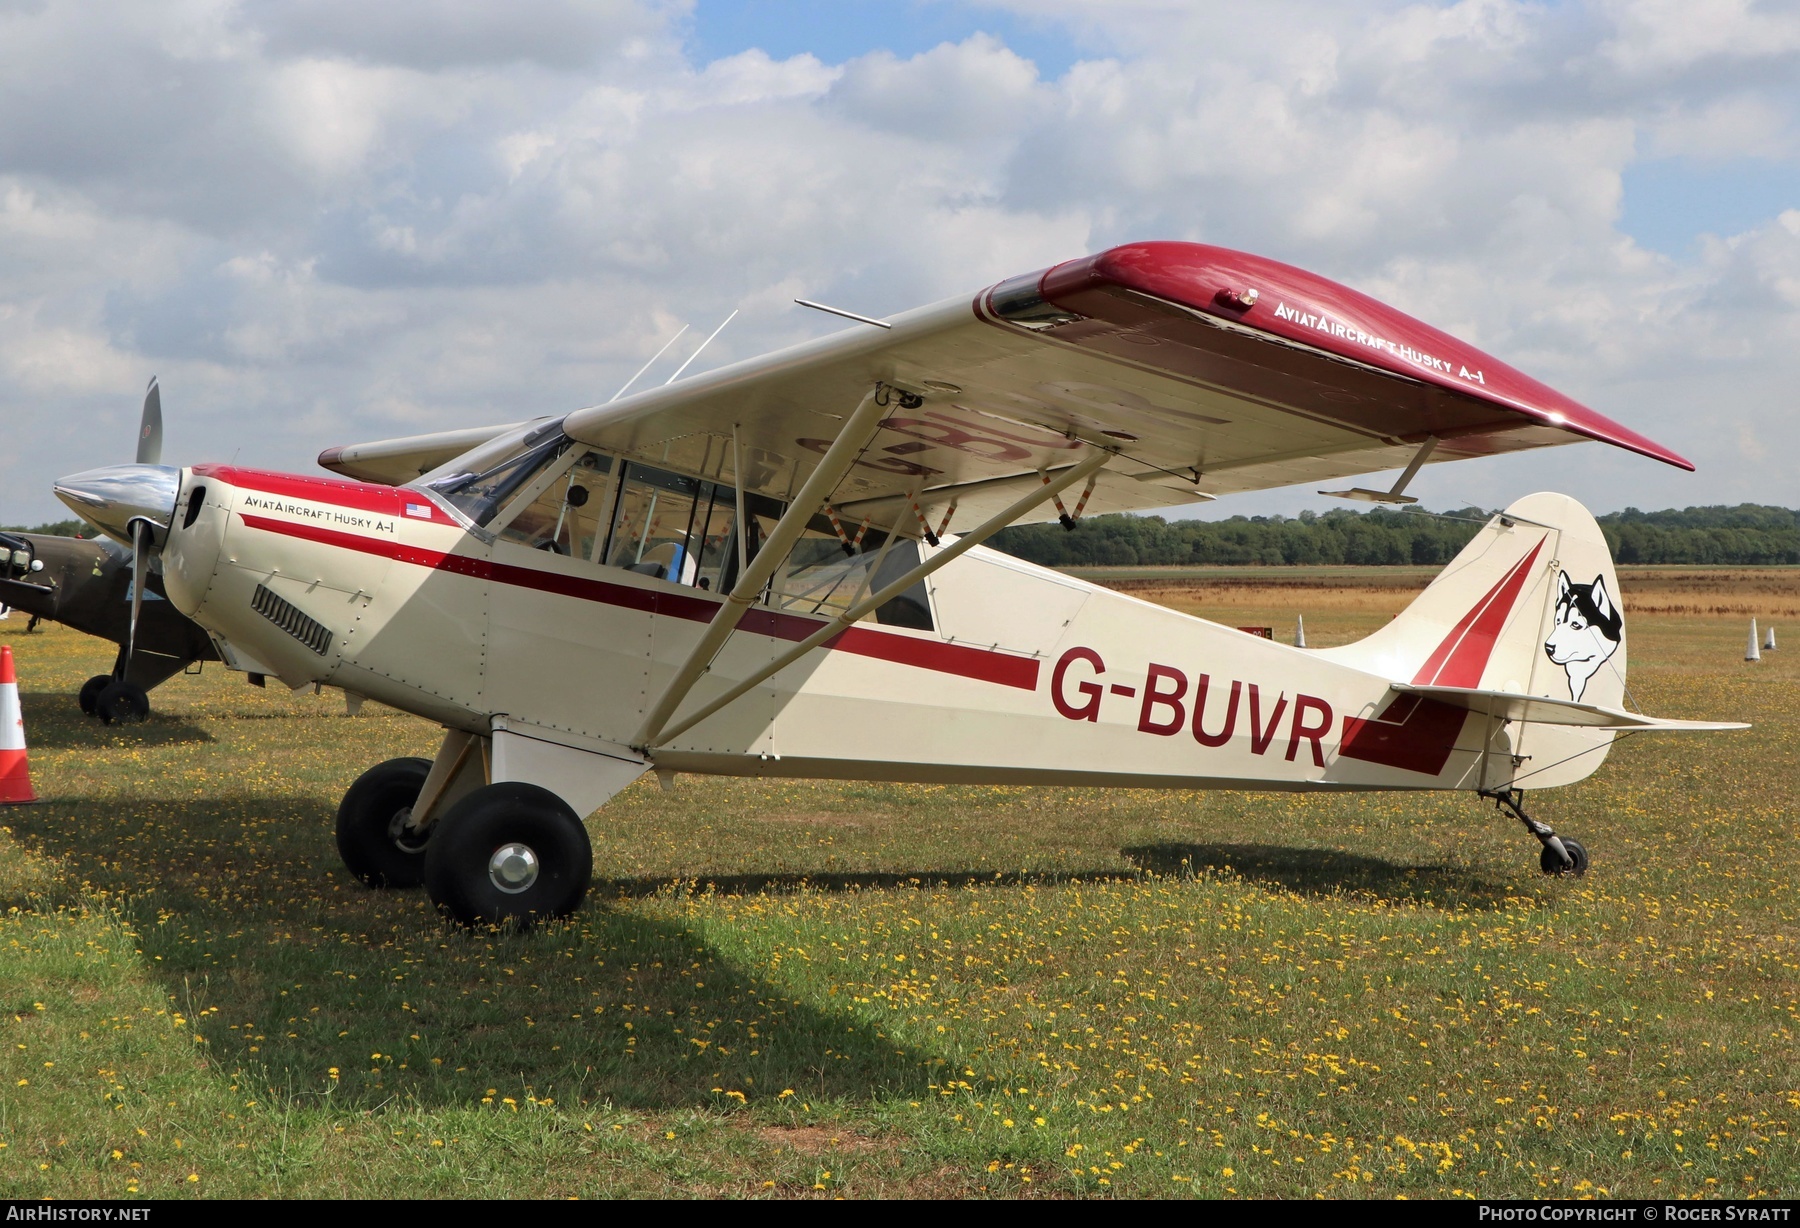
{"x": 1587, "y": 631}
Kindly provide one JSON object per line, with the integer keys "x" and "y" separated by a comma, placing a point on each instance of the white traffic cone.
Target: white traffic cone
{"x": 1751, "y": 653}
{"x": 1300, "y": 631}
{"x": 15, "y": 776}
{"x": 1769, "y": 639}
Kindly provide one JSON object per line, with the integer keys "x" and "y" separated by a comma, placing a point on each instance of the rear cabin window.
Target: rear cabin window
{"x": 822, "y": 577}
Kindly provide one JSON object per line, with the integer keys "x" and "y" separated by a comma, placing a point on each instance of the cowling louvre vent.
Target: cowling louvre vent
{"x": 285, "y": 615}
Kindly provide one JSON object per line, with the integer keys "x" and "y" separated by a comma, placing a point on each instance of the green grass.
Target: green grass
{"x": 785, "y": 988}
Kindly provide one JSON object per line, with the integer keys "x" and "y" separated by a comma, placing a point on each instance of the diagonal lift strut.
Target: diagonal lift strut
{"x": 858, "y": 429}
{"x": 1054, "y": 485}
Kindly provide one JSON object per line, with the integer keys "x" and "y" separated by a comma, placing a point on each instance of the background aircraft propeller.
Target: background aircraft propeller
{"x": 149, "y": 448}
{"x": 124, "y": 700}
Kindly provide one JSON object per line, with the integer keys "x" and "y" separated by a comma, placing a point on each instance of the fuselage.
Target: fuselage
{"x": 1019, "y": 674}
{"x": 86, "y": 584}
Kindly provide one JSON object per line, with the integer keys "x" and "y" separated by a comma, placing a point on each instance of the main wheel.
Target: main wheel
{"x": 508, "y": 852}
{"x": 121, "y": 703}
{"x": 90, "y": 691}
{"x": 371, "y": 824}
{"x": 1550, "y": 863}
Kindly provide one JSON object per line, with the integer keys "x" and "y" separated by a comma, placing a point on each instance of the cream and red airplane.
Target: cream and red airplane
{"x": 775, "y": 569}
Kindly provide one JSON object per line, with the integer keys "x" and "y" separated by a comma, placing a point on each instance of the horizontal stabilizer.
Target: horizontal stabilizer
{"x": 1542, "y": 710}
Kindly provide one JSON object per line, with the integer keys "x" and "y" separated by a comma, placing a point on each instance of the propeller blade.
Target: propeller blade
{"x": 141, "y": 541}
{"x": 149, "y": 448}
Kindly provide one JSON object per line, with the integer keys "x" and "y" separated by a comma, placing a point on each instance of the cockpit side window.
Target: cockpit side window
{"x": 671, "y": 527}
{"x": 563, "y": 509}
{"x": 539, "y": 489}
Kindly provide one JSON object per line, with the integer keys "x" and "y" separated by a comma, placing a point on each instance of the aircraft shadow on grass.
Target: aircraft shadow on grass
{"x": 240, "y": 904}
{"x": 53, "y": 722}
{"x": 1319, "y": 872}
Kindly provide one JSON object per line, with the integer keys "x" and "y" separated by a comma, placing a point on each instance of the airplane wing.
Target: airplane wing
{"x": 1542, "y": 710}
{"x": 1205, "y": 371}
{"x": 394, "y": 462}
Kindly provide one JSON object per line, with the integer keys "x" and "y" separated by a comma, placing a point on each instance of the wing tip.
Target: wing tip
{"x": 1293, "y": 304}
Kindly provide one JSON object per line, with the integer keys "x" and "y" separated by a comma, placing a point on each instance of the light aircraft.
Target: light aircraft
{"x": 775, "y": 569}
{"x": 86, "y": 584}
{"x": 89, "y": 585}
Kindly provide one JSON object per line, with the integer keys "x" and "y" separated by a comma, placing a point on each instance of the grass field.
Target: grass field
{"x": 787, "y": 989}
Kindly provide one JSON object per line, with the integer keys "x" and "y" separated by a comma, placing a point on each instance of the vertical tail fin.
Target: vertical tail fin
{"x": 1530, "y": 606}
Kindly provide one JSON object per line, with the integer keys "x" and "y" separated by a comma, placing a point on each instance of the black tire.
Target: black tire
{"x": 90, "y": 692}
{"x": 1550, "y": 863}
{"x": 370, "y": 819}
{"x": 122, "y": 703}
{"x": 467, "y": 860}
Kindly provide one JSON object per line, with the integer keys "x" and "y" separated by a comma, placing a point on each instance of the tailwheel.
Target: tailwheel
{"x": 90, "y": 692}
{"x": 1551, "y": 860}
{"x": 121, "y": 703}
{"x": 373, "y": 833}
{"x": 508, "y": 853}
{"x": 1577, "y": 865}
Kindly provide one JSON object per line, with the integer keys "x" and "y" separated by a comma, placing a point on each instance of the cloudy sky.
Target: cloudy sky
{"x": 320, "y": 221}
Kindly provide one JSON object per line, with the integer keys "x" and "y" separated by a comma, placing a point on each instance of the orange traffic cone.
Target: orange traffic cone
{"x": 15, "y": 776}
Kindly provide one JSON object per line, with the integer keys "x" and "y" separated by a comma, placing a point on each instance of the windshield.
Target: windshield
{"x": 479, "y": 481}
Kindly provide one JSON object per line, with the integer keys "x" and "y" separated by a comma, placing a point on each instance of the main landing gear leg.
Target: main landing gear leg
{"x": 1562, "y": 855}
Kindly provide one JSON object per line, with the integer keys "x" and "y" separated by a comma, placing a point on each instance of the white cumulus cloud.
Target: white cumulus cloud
{"x": 318, "y": 222}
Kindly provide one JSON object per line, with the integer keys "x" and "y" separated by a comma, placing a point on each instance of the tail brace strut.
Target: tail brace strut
{"x": 1513, "y": 802}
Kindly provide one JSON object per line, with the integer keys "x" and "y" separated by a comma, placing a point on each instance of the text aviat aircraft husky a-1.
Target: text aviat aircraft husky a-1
{"x": 775, "y": 569}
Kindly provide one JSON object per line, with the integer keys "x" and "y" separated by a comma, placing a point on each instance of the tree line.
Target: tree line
{"x": 55, "y": 528}
{"x": 1746, "y": 535}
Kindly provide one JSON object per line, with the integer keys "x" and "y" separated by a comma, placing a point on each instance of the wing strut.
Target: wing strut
{"x": 1398, "y": 494}
{"x": 974, "y": 537}
{"x": 851, "y": 439}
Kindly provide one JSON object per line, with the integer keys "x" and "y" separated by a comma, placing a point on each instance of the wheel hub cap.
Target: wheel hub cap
{"x": 513, "y": 868}
{"x": 401, "y": 831}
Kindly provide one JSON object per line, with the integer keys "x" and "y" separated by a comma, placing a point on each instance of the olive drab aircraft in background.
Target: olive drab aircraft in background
{"x": 776, "y": 569}
{"x": 92, "y": 587}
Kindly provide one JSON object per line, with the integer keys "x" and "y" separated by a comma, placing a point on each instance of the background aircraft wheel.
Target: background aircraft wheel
{"x": 90, "y": 691}
{"x": 1550, "y": 863}
{"x": 508, "y": 852}
{"x": 371, "y": 821}
{"x": 121, "y": 703}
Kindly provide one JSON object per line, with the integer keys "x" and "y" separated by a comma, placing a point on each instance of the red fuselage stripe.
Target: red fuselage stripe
{"x": 981, "y": 664}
